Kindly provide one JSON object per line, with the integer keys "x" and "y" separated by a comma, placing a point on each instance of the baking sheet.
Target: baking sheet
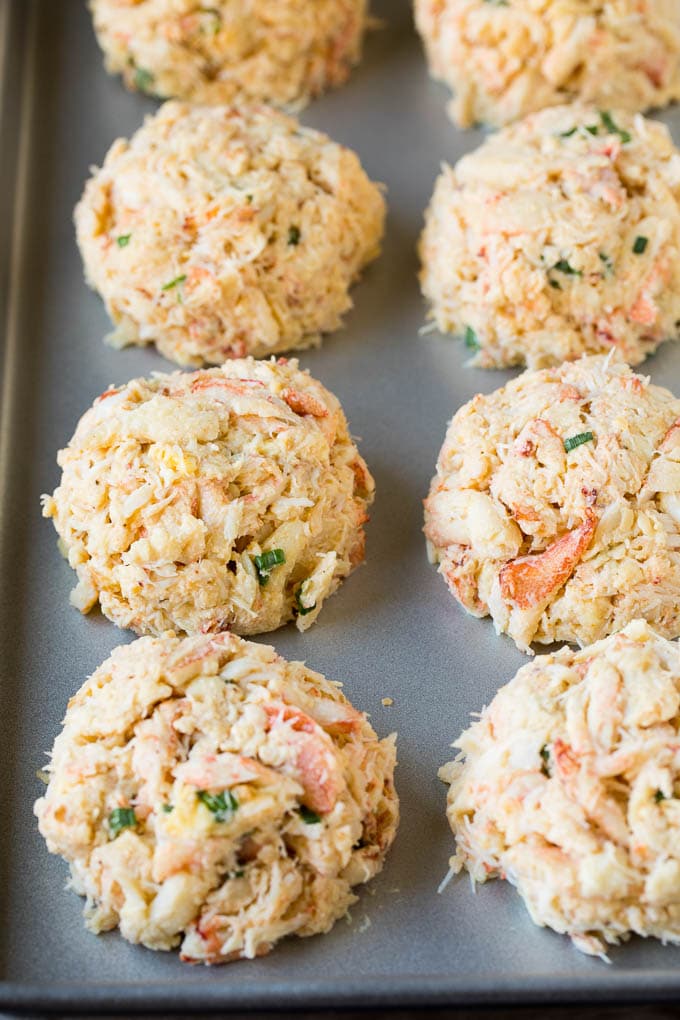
{"x": 391, "y": 631}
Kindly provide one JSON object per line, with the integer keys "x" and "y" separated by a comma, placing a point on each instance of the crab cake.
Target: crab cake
{"x": 559, "y": 236}
{"x": 507, "y": 58}
{"x": 226, "y": 499}
{"x": 568, "y": 786}
{"x": 556, "y": 504}
{"x": 218, "y": 232}
{"x": 207, "y": 793}
{"x": 216, "y": 51}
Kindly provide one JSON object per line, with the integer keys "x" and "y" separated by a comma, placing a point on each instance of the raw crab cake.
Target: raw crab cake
{"x": 217, "y": 232}
{"x": 226, "y": 499}
{"x": 221, "y": 50}
{"x": 507, "y": 58}
{"x": 207, "y": 792}
{"x": 556, "y": 504}
{"x": 559, "y": 236}
{"x": 568, "y": 785}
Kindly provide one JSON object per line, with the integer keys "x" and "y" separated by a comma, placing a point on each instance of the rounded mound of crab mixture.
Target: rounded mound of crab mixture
{"x": 218, "y": 232}
{"x": 216, "y": 51}
{"x": 559, "y": 236}
{"x": 226, "y": 499}
{"x": 506, "y": 58}
{"x": 207, "y": 792}
{"x": 568, "y": 785}
{"x": 556, "y": 504}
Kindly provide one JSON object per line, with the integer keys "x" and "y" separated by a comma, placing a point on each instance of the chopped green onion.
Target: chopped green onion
{"x": 308, "y": 817}
{"x": 574, "y": 441}
{"x": 223, "y": 805}
{"x": 659, "y": 796}
{"x": 167, "y": 808}
{"x": 612, "y": 128}
{"x": 545, "y": 755}
{"x": 640, "y": 245}
{"x": 122, "y": 818}
{"x": 143, "y": 79}
{"x": 123, "y": 241}
{"x": 606, "y": 262}
{"x": 293, "y": 235}
{"x": 175, "y": 282}
{"x": 302, "y": 610}
{"x": 470, "y": 339}
{"x": 265, "y": 563}
{"x": 555, "y": 284}
{"x": 236, "y": 874}
{"x": 592, "y": 129}
{"x": 563, "y": 267}
{"x": 569, "y": 133}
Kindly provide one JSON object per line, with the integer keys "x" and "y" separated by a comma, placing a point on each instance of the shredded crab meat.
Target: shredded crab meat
{"x": 205, "y": 502}
{"x": 504, "y": 60}
{"x": 205, "y": 798}
{"x": 217, "y": 232}
{"x": 557, "y": 238}
{"x": 568, "y": 785}
{"x": 283, "y": 52}
{"x": 556, "y": 504}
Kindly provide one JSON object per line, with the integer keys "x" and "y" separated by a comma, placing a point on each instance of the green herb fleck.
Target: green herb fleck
{"x": 470, "y": 339}
{"x": 606, "y": 262}
{"x": 174, "y": 283}
{"x": 545, "y": 755}
{"x": 592, "y": 129}
{"x": 579, "y": 440}
{"x": 265, "y": 563}
{"x": 143, "y": 80}
{"x": 569, "y": 133}
{"x": 302, "y": 609}
{"x": 613, "y": 129}
{"x": 640, "y": 245}
{"x": 122, "y": 818}
{"x": 555, "y": 284}
{"x": 223, "y": 805}
{"x": 308, "y": 817}
{"x": 659, "y": 796}
{"x": 167, "y": 808}
{"x": 293, "y": 235}
{"x": 563, "y": 267}
{"x": 123, "y": 241}
{"x": 237, "y": 874}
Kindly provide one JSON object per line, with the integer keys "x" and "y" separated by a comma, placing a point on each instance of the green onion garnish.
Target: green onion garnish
{"x": 123, "y": 241}
{"x": 579, "y": 440}
{"x": 265, "y": 563}
{"x": 659, "y": 796}
{"x": 293, "y": 235}
{"x": 167, "y": 808}
{"x": 143, "y": 79}
{"x": 122, "y": 818}
{"x": 563, "y": 267}
{"x": 640, "y": 245}
{"x": 470, "y": 339}
{"x": 175, "y": 282}
{"x": 223, "y": 805}
{"x": 308, "y": 817}
{"x": 612, "y": 128}
{"x": 302, "y": 610}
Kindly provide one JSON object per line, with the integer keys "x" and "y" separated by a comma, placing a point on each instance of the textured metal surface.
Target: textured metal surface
{"x": 392, "y": 630}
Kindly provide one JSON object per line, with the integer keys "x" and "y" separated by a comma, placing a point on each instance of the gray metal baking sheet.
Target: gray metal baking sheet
{"x": 391, "y": 631}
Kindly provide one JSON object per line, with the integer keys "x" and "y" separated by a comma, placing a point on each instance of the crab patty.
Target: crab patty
{"x": 556, "y": 504}
{"x": 226, "y": 499}
{"x": 217, "y": 232}
{"x": 218, "y": 51}
{"x": 507, "y": 58}
{"x": 559, "y": 236}
{"x": 568, "y": 785}
{"x": 206, "y": 792}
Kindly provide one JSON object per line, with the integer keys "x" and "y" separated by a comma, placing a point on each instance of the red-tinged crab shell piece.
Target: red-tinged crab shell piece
{"x": 529, "y": 580}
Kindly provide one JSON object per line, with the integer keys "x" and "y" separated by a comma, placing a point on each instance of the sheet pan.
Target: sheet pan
{"x": 391, "y": 631}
